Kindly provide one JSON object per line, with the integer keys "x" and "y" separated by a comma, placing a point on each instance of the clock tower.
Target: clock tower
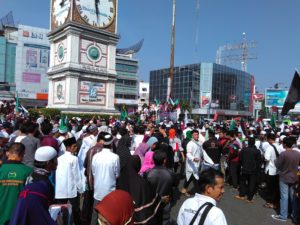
{"x": 83, "y": 41}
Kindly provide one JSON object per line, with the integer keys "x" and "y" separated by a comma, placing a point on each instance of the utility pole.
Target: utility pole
{"x": 171, "y": 75}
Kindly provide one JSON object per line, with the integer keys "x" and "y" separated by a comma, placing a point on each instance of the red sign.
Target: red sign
{"x": 258, "y": 97}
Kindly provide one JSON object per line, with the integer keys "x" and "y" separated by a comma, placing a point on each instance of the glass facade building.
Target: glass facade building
{"x": 7, "y": 63}
{"x": 186, "y": 84}
{"x": 205, "y": 86}
{"x": 231, "y": 88}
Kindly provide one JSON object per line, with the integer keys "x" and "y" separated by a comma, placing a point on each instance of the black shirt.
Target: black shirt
{"x": 213, "y": 149}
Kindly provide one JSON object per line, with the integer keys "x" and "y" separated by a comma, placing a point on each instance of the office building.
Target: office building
{"x": 126, "y": 89}
{"x": 207, "y": 87}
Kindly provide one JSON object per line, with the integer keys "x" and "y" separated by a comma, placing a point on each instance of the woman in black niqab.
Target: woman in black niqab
{"x": 146, "y": 200}
{"x": 123, "y": 150}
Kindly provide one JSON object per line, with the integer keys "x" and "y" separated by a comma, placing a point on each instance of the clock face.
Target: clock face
{"x": 99, "y": 13}
{"x": 61, "y": 11}
{"x": 60, "y": 52}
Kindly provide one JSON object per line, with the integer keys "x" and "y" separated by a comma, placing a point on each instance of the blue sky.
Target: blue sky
{"x": 273, "y": 24}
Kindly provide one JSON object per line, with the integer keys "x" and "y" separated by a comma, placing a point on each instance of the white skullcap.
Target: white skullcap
{"x": 263, "y": 132}
{"x": 108, "y": 139}
{"x": 251, "y": 128}
{"x": 282, "y": 137}
{"x": 287, "y": 130}
{"x": 45, "y": 154}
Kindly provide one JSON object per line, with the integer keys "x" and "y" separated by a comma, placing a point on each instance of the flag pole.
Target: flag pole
{"x": 171, "y": 75}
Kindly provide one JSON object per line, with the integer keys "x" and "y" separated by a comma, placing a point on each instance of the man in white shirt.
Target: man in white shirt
{"x": 87, "y": 143}
{"x": 202, "y": 209}
{"x": 105, "y": 170}
{"x": 272, "y": 177}
{"x": 194, "y": 157}
{"x": 68, "y": 179}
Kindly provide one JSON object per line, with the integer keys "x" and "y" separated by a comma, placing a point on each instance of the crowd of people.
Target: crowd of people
{"x": 93, "y": 171}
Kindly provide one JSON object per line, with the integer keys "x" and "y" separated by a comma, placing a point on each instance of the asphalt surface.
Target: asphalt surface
{"x": 238, "y": 212}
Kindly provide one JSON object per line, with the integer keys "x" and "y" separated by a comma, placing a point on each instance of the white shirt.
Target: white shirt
{"x": 190, "y": 206}
{"x": 62, "y": 147}
{"x": 20, "y": 138}
{"x": 68, "y": 178}
{"x": 175, "y": 143}
{"x": 87, "y": 143}
{"x": 193, "y": 150}
{"x": 105, "y": 170}
{"x": 261, "y": 146}
{"x": 270, "y": 157}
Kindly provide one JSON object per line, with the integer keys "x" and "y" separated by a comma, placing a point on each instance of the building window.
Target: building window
{"x": 144, "y": 89}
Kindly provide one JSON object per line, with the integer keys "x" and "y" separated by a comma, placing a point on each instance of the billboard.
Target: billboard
{"x": 32, "y": 62}
{"x": 276, "y": 97}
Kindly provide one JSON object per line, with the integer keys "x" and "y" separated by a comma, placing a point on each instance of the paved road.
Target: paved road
{"x": 239, "y": 212}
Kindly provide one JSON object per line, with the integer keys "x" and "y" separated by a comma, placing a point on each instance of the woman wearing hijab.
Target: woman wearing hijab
{"x": 123, "y": 150}
{"x": 148, "y": 163}
{"x": 116, "y": 208}
{"x": 141, "y": 150}
{"x": 146, "y": 200}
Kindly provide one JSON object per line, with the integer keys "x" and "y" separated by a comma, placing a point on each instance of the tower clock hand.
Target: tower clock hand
{"x": 97, "y": 9}
{"x": 62, "y": 3}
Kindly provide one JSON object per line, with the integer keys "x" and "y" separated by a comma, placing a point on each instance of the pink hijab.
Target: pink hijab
{"x": 148, "y": 162}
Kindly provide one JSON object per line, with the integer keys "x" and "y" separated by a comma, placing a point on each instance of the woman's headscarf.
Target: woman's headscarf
{"x": 172, "y": 133}
{"x": 117, "y": 208}
{"x": 152, "y": 141}
{"x": 123, "y": 150}
{"x": 141, "y": 151}
{"x": 146, "y": 200}
{"x": 148, "y": 162}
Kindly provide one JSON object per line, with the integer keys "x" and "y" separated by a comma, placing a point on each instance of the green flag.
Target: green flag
{"x": 63, "y": 126}
{"x": 17, "y": 102}
{"x": 156, "y": 102}
{"x": 232, "y": 125}
{"x": 272, "y": 122}
{"x": 124, "y": 114}
{"x": 206, "y": 135}
{"x": 176, "y": 102}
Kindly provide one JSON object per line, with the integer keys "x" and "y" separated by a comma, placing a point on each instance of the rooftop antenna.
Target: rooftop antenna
{"x": 240, "y": 52}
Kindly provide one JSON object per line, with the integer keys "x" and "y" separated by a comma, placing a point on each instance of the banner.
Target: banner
{"x": 205, "y": 99}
